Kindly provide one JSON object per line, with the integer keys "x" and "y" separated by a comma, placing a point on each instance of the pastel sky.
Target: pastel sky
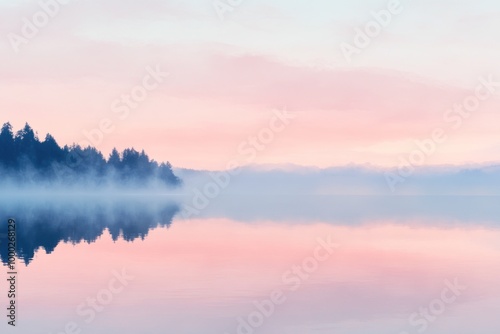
{"x": 227, "y": 77}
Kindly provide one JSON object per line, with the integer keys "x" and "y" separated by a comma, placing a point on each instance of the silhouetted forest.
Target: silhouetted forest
{"x": 24, "y": 159}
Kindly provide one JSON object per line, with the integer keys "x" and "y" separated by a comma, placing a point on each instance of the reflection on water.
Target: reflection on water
{"x": 45, "y": 225}
{"x": 206, "y": 273}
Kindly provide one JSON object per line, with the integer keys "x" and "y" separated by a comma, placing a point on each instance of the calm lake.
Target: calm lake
{"x": 282, "y": 264}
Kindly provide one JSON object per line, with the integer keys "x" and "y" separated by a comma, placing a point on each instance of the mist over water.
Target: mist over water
{"x": 348, "y": 180}
{"x": 249, "y": 167}
{"x": 397, "y": 251}
{"x": 45, "y": 219}
{"x": 394, "y": 255}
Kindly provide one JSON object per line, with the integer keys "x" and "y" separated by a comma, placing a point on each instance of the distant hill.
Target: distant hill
{"x": 25, "y": 160}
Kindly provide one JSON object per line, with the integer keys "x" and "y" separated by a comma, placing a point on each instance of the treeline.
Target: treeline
{"x": 26, "y": 159}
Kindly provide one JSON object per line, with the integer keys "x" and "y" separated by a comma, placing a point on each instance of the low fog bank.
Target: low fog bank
{"x": 431, "y": 210}
{"x": 88, "y": 187}
{"x": 264, "y": 180}
{"x": 348, "y": 195}
{"x": 60, "y": 177}
{"x": 351, "y": 180}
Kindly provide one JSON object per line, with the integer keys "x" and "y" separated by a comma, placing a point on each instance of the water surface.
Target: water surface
{"x": 206, "y": 273}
